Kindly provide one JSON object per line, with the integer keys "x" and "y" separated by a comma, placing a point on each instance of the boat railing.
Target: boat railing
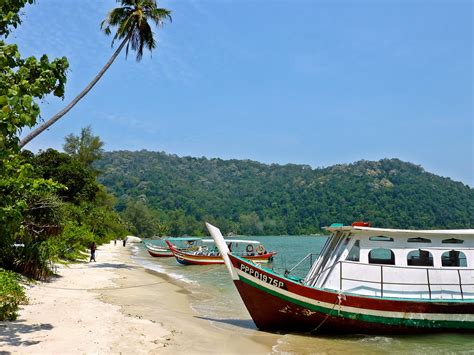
{"x": 315, "y": 278}
{"x": 423, "y": 282}
{"x": 311, "y": 256}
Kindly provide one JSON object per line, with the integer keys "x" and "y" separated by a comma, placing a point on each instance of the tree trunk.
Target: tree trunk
{"x": 83, "y": 93}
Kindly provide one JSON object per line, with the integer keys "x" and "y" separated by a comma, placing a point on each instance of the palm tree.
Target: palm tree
{"x": 133, "y": 29}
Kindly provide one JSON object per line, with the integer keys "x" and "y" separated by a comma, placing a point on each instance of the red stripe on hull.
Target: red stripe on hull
{"x": 200, "y": 259}
{"x": 271, "y": 313}
{"x": 160, "y": 255}
{"x": 194, "y": 262}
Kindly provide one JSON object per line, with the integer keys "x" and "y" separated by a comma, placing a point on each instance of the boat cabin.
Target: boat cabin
{"x": 239, "y": 247}
{"x": 424, "y": 264}
{"x": 184, "y": 242}
{"x": 201, "y": 246}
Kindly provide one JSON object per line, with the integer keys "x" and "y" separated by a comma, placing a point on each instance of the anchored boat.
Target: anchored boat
{"x": 206, "y": 253}
{"x": 163, "y": 251}
{"x": 366, "y": 280}
{"x": 158, "y": 251}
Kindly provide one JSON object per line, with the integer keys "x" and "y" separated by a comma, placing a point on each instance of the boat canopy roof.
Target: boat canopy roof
{"x": 242, "y": 241}
{"x": 373, "y": 232}
{"x": 192, "y": 239}
{"x": 183, "y": 239}
{"x": 233, "y": 241}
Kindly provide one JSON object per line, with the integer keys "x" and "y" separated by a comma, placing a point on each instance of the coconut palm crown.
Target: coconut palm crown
{"x": 132, "y": 22}
{"x": 133, "y": 29}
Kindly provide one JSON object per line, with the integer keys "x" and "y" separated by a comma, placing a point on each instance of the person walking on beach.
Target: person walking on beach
{"x": 93, "y": 249}
{"x": 124, "y": 241}
{"x": 115, "y": 241}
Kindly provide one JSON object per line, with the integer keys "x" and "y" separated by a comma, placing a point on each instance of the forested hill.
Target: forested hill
{"x": 247, "y": 197}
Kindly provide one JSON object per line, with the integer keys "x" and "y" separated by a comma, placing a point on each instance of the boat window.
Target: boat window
{"x": 420, "y": 258}
{"x": 381, "y": 256}
{"x": 452, "y": 241}
{"x": 354, "y": 254}
{"x": 381, "y": 238}
{"x": 454, "y": 258}
{"x": 418, "y": 240}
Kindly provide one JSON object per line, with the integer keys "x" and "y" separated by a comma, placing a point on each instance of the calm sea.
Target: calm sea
{"x": 215, "y": 298}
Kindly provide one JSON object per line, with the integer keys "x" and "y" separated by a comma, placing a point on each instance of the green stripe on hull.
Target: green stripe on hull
{"x": 403, "y": 322}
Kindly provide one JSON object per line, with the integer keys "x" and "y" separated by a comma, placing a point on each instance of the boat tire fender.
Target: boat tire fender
{"x": 260, "y": 249}
{"x": 249, "y": 248}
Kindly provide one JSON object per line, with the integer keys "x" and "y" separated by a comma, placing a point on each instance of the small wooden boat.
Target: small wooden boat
{"x": 163, "y": 251}
{"x": 206, "y": 252}
{"x": 366, "y": 280}
{"x": 157, "y": 251}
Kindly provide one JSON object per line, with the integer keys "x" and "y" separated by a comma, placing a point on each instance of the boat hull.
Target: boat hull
{"x": 160, "y": 254}
{"x": 276, "y": 303}
{"x": 187, "y": 258}
{"x": 190, "y": 259}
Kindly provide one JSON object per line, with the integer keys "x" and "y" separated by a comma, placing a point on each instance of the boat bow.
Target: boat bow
{"x": 223, "y": 249}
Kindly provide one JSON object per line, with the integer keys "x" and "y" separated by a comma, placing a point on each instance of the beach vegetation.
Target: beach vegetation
{"x": 11, "y": 295}
{"x": 51, "y": 205}
{"x": 53, "y": 209}
{"x": 28, "y": 208}
{"x": 80, "y": 182}
{"x": 26, "y": 201}
{"x": 133, "y": 23}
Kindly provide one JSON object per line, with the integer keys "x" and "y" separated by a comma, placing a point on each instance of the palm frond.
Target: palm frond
{"x": 159, "y": 16}
{"x": 132, "y": 21}
{"x": 127, "y": 2}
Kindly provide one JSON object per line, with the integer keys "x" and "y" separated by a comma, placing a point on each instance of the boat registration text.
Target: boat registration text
{"x": 261, "y": 276}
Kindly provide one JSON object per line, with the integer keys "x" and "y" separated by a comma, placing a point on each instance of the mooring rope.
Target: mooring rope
{"x": 121, "y": 287}
{"x": 338, "y": 301}
{"x": 100, "y": 289}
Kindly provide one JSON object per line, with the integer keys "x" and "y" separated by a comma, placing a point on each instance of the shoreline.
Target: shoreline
{"x": 116, "y": 305}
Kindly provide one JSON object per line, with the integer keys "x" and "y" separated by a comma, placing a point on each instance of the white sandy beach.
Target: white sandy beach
{"x": 116, "y": 306}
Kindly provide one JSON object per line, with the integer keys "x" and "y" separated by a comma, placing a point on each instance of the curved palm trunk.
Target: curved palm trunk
{"x": 83, "y": 93}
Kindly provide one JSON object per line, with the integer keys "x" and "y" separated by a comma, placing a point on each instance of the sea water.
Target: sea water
{"x": 214, "y": 298}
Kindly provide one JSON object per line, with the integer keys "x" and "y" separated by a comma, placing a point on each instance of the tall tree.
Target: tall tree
{"x": 133, "y": 29}
{"x": 28, "y": 209}
{"x": 86, "y": 147}
{"x": 80, "y": 182}
{"x": 140, "y": 218}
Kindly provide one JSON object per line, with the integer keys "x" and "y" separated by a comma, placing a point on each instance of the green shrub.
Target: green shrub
{"x": 11, "y": 295}
{"x": 74, "y": 242}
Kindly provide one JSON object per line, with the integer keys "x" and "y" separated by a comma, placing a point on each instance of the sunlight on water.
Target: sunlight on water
{"x": 420, "y": 344}
{"x": 214, "y": 297}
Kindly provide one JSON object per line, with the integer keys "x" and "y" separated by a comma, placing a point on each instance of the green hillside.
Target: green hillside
{"x": 247, "y": 197}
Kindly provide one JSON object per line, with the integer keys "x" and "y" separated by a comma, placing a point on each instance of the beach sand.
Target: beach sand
{"x": 117, "y": 306}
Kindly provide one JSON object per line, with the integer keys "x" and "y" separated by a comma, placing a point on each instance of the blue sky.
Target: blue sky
{"x": 310, "y": 82}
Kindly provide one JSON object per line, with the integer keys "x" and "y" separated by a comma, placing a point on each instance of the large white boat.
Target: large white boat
{"x": 366, "y": 280}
